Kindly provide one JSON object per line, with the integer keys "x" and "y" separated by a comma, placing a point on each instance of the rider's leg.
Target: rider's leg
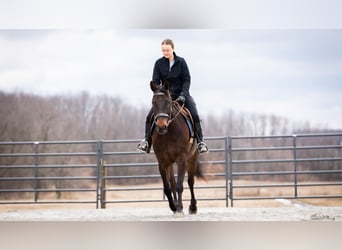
{"x": 145, "y": 145}
{"x": 191, "y": 105}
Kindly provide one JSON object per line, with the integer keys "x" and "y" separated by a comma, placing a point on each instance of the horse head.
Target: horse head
{"x": 162, "y": 106}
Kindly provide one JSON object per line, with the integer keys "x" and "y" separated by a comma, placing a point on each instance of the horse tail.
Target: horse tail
{"x": 199, "y": 171}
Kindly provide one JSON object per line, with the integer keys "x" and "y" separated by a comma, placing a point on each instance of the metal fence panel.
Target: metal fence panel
{"x": 107, "y": 171}
{"x": 324, "y": 159}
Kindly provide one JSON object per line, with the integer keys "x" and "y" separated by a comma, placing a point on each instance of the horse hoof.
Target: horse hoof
{"x": 173, "y": 208}
{"x": 179, "y": 214}
{"x": 192, "y": 210}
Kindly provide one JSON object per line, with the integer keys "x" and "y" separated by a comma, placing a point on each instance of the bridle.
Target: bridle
{"x": 168, "y": 116}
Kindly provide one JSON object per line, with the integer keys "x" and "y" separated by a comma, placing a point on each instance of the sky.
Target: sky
{"x": 294, "y": 73}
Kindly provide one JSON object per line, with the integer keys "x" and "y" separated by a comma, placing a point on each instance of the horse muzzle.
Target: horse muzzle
{"x": 162, "y": 123}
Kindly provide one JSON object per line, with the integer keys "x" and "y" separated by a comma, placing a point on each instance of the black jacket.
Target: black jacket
{"x": 178, "y": 77}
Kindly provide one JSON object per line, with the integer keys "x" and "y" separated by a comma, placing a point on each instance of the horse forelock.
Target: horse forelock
{"x": 162, "y": 91}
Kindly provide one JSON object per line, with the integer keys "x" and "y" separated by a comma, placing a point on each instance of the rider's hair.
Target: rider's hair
{"x": 168, "y": 42}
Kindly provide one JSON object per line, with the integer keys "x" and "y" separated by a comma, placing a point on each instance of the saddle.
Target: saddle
{"x": 188, "y": 119}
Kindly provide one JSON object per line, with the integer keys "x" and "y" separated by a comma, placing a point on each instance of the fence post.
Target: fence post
{"x": 230, "y": 171}
{"x": 295, "y": 165}
{"x": 226, "y": 147}
{"x": 36, "y": 163}
{"x": 99, "y": 175}
{"x": 103, "y": 186}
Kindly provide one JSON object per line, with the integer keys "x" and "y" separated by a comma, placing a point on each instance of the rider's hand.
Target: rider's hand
{"x": 181, "y": 99}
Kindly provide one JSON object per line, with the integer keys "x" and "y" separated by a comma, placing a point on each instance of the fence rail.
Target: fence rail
{"x": 53, "y": 172}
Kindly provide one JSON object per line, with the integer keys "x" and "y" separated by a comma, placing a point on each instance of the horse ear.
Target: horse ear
{"x": 153, "y": 86}
{"x": 166, "y": 85}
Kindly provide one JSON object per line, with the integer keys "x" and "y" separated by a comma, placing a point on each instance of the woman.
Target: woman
{"x": 175, "y": 70}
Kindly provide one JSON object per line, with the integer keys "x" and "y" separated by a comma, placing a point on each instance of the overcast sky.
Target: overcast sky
{"x": 291, "y": 73}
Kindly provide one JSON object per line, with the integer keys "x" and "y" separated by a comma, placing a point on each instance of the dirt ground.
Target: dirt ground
{"x": 249, "y": 210}
{"x": 309, "y": 213}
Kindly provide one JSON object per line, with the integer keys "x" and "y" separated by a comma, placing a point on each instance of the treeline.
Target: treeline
{"x": 28, "y": 117}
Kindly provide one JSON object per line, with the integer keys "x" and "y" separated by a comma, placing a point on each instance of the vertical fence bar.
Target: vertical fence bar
{"x": 295, "y": 165}
{"x": 230, "y": 142}
{"x": 102, "y": 178}
{"x": 104, "y": 186}
{"x": 226, "y": 150}
{"x": 99, "y": 154}
{"x": 36, "y": 163}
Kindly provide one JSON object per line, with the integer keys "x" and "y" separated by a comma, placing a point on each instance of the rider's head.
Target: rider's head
{"x": 167, "y": 48}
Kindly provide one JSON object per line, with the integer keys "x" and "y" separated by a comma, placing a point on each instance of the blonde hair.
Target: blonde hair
{"x": 168, "y": 42}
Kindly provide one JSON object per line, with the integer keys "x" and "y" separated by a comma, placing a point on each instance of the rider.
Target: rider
{"x": 175, "y": 70}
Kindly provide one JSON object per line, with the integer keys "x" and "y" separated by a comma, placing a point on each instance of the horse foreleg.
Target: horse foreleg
{"x": 179, "y": 186}
{"x": 191, "y": 182}
{"x": 167, "y": 191}
{"x": 193, "y": 204}
{"x": 173, "y": 184}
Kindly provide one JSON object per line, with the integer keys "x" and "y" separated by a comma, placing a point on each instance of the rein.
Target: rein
{"x": 180, "y": 110}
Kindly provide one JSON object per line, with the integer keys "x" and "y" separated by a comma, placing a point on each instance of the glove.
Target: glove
{"x": 181, "y": 99}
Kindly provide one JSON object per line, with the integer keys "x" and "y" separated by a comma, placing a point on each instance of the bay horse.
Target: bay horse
{"x": 172, "y": 143}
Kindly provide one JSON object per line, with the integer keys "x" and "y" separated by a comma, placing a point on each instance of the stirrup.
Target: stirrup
{"x": 144, "y": 146}
{"x": 202, "y": 148}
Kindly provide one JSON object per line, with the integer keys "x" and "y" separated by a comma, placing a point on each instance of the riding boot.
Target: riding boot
{"x": 148, "y": 135}
{"x": 202, "y": 147}
{"x": 145, "y": 145}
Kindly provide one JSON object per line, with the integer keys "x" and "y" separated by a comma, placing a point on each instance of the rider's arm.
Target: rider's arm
{"x": 186, "y": 78}
{"x": 156, "y": 74}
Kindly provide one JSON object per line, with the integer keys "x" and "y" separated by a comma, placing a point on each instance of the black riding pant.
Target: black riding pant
{"x": 191, "y": 105}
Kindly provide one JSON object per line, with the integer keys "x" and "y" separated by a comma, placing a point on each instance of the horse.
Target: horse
{"x": 172, "y": 143}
